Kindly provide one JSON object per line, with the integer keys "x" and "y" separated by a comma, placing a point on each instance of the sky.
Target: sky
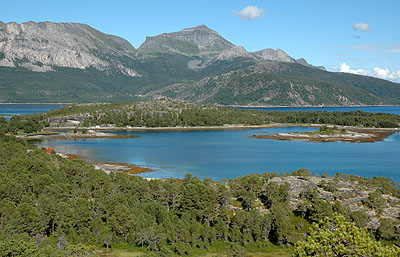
{"x": 355, "y": 36}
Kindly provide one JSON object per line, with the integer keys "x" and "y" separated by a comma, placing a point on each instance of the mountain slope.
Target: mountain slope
{"x": 190, "y": 41}
{"x": 41, "y": 46}
{"x": 207, "y": 44}
{"x": 276, "y": 83}
{"x": 71, "y": 62}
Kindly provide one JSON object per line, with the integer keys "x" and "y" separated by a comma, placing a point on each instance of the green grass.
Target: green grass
{"x": 123, "y": 250}
{"x": 218, "y": 249}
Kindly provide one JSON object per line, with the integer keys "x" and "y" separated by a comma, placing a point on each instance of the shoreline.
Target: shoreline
{"x": 249, "y": 106}
{"x": 38, "y": 103}
{"x": 355, "y": 135}
{"x": 69, "y": 135}
{"x": 230, "y": 127}
{"x": 108, "y": 167}
{"x": 272, "y": 125}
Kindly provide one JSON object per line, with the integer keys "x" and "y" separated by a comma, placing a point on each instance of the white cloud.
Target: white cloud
{"x": 382, "y": 73}
{"x": 387, "y": 74}
{"x": 250, "y": 13}
{"x": 346, "y": 68}
{"x": 361, "y": 27}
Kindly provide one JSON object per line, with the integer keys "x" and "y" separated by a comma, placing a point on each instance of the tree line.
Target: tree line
{"x": 169, "y": 113}
{"x": 51, "y": 206}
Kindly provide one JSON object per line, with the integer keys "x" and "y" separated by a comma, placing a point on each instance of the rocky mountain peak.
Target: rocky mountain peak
{"x": 190, "y": 41}
{"x": 46, "y": 44}
{"x": 200, "y": 27}
{"x": 269, "y": 54}
{"x": 235, "y": 51}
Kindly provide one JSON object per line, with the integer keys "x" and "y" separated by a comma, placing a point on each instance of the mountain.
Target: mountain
{"x": 192, "y": 41}
{"x": 40, "y": 46}
{"x": 71, "y": 62}
{"x": 279, "y": 83}
{"x": 207, "y": 44}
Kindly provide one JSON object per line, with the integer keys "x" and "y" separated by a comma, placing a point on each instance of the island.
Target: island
{"x": 173, "y": 114}
{"x": 64, "y": 206}
{"x": 335, "y": 134}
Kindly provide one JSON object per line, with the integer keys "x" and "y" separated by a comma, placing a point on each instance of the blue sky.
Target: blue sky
{"x": 323, "y": 32}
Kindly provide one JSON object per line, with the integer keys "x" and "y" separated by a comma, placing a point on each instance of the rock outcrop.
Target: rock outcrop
{"x": 207, "y": 43}
{"x": 199, "y": 40}
{"x": 41, "y": 46}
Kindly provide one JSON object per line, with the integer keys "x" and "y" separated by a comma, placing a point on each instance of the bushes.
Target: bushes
{"x": 337, "y": 237}
{"x": 375, "y": 201}
{"x": 73, "y": 206}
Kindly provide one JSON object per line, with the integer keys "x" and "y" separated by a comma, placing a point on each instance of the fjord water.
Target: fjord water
{"x": 22, "y": 109}
{"x": 226, "y": 154}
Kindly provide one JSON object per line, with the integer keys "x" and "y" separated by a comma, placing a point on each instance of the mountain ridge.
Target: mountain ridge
{"x": 73, "y": 62}
{"x": 197, "y": 41}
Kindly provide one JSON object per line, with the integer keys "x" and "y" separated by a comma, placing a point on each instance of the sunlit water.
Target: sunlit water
{"x": 227, "y": 154}
{"x": 230, "y": 153}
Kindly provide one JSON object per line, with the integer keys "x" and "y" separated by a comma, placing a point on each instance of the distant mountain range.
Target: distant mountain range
{"x": 71, "y": 62}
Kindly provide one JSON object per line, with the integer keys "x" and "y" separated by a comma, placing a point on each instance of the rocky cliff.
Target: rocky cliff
{"x": 71, "y": 62}
{"x": 41, "y": 46}
{"x": 209, "y": 45}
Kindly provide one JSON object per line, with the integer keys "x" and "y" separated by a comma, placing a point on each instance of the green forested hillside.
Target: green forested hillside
{"x": 72, "y": 62}
{"x": 285, "y": 84}
{"x": 378, "y": 87}
{"x": 68, "y": 85}
{"x": 50, "y": 206}
{"x": 229, "y": 82}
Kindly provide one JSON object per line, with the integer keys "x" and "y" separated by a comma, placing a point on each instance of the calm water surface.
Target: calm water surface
{"x": 228, "y": 153}
{"x": 22, "y": 109}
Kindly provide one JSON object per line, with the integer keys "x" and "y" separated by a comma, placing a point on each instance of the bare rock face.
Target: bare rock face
{"x": 204, "y": 37}
{"x": 199, "y": 40}
{"x": 273, "y": 55}
{"x": 210, "y": 46}
{"x": 41, "y": 46}
{"x": 236, "y": 51}
{"x": 303, "y": 61}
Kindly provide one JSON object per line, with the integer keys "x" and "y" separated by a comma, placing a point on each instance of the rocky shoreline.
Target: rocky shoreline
{"x": 89, "y": 134}
{"x": 351, "y": 135}
{"x": 128, "y": 168}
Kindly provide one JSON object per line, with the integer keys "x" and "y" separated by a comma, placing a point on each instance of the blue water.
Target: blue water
{"x": 227, "y": 154}
{"x": 22, "y": 109}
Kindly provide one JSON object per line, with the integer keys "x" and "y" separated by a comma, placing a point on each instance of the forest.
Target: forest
{"x": 51, "y": 206}
{"x": 171, "y": 113}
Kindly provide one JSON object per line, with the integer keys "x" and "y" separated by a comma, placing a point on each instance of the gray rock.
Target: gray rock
{"x": 273, "y": 55}
{"x": 199, "y": 40}
{"x": 303, "y": 61}
{"x": 41, "y": 46}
